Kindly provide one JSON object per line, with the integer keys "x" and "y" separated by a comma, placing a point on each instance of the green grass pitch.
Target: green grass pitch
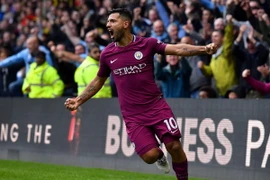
{"x": 18, "y": 170}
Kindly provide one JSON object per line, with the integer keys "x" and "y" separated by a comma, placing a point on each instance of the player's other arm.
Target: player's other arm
{"x": 189, "y": 50}
{"x": 93, "y": 87}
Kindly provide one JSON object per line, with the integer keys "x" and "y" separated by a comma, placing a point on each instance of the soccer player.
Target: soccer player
{"x": 145, "y": 112}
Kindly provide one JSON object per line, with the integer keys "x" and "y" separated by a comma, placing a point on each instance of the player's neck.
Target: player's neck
{"x": 126, "y": 40}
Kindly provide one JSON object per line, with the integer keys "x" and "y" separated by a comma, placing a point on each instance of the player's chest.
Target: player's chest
{"x": 130, "y": 62}
{"x": 128, "y": 57}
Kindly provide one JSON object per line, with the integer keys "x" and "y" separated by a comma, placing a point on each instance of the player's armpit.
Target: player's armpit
{"x": 184, "y": 50}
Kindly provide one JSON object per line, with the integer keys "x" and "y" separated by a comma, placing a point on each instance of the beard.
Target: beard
{"x": 118, "y": 36}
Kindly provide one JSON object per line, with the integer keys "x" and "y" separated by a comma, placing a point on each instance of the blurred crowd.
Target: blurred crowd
{"x": 51, "y": 48}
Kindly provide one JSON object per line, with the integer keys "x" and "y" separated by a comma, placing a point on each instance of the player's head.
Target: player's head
{"x": 94, "y": 51}
{"x": 119, "y": 21}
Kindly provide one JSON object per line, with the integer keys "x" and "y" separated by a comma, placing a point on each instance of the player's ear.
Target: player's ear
{"x": 126, "y": 24}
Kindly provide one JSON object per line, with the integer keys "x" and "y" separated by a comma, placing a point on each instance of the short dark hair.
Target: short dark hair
{"x": 123, "y": 12}
{"x": 210, "y": 91}
{"x": 40, "y": 54}
{"x": 79, "y": 44}
{"x": 92, "y": 45}
{"x": 222, "y": 32}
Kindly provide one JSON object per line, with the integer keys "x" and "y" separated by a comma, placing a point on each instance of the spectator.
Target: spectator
{"x": 265, "y": 71}
{"x": 193, "y": 10}
{"x": 260, "y": 86}
{"x": 159, "y": 32}
{"x": 177, "y": 11}
{"x": 222, "y": 65}
{"x": 51, "y": 29}
{"x": 174, "y": 77}
{"x": 153, "y": 15}
{"x": 42, "y": 80}
{"x": 86, "y": 27}
{"x": 255, "y": 55}
{"x": 264, "y": 23}
{"x": 236, "y": 92}
{"x": 90, "y": 37}
{"x": 7, "y": 75}
{"x": 20, "y": 43}
{"x": 87, "y": 71}
{"x": 80, "y": 50}
{"x": 141, "y": 25}
{"x": 65, "y": 68}
{"x": 8, "y": 39}
{"x": 219, "y": 24}
{"x": 73, "y": 24}
{"x": 197, "y": 79}
{"x": 175, "y": 16}
{"x": 61, "y": 52}
{"x": 206, "y": 92}
{"x": 252, "y": 13}
{"x": 206, "y": 32}
{"x": 207, "y": 16}
{"x": 194, "y": 32}
{"x": 26, "y": 56}
{"x": 173, "y": 33}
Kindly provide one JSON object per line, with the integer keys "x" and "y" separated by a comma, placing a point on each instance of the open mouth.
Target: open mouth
{"x": 111, "y": 33}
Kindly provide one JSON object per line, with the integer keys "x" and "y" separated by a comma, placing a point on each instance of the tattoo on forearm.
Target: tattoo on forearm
{"x": 190, "y": 51}
{"x": 86, "y": 93}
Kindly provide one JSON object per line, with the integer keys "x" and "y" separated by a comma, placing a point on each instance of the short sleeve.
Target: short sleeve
{"x": 104, "y": 69}
{"x": 157, "y": 45}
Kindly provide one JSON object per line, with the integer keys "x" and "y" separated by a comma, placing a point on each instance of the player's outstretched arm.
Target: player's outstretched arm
{"x": 189, "y": 50}
{"x": 92, "y": 88}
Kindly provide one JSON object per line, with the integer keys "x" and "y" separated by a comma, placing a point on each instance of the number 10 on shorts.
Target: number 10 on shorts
{"x": 171, "y": 125}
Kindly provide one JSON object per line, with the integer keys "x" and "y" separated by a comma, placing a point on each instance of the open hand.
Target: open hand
{"x": 251, "y": 34}
{"x": 243, "y": 28}
{"x": 211, "y": 48}
{"x": 71, "y": 104}
{"x": 245, "y": 73}
{"x": 266, "y": 19}
{"x": 229, "y": 18}
{"x": 200, "y": 64}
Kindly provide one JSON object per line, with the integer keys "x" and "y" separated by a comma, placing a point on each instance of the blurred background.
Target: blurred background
{"x": 46, "y": 46}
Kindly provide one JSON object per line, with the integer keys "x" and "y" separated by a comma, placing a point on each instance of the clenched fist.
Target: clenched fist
{"x": 71, "y": 104}
{"x": 211, "y": 48}
{"x": 264, "y": 70}
{"x": 245, "y": 73}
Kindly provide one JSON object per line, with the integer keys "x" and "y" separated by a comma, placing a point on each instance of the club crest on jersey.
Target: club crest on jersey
{"x": 138, "y": 55}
